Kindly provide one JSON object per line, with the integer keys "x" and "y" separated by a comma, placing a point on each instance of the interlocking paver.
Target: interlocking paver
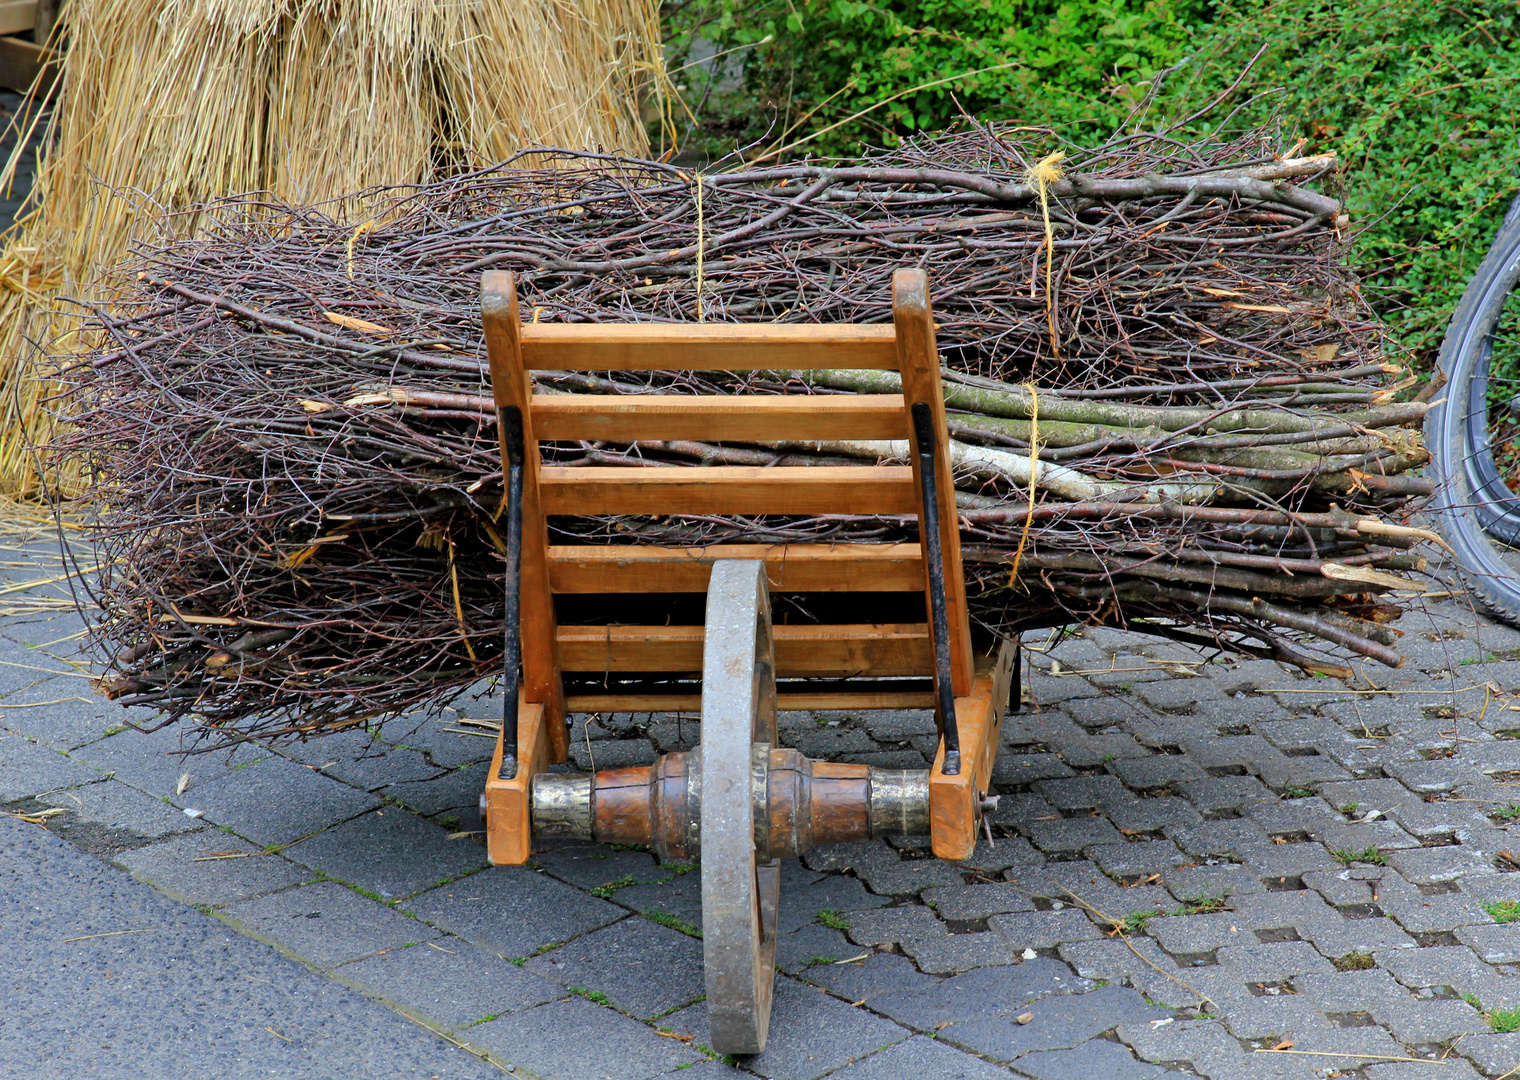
{"x": 919, "y": 1057}
{"x": 513, "y": 911}
{"x": 389, "y": 852}
{"x": 607, "y": 1045}
{"x": 326, "y": 924}
{"x": 646, "y": 969}
{"x": 812, "y": 1033}
{"x": 211, "y": 867}
{"x": 275, "y": 801}
{"x": 450, "y": 982}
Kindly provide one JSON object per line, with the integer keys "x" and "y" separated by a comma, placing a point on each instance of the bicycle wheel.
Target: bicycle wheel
{"x": 1474, "y": 433}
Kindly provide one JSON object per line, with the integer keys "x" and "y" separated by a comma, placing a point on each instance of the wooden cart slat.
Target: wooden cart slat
{"x": 737, "y": 419}
{"x": 834, "y": 650}
{"x": 790, "y": 567}
{"x": 728, "y": 489}
{"x": 706, "y": 347}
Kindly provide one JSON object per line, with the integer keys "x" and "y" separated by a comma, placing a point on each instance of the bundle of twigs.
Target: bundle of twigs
{"x": 1186, "y": 424}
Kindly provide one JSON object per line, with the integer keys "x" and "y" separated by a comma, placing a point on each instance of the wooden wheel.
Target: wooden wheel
{"x": 739, "y": 892}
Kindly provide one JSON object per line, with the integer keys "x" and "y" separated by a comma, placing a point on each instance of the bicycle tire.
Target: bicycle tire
{"x": 1473, "y": 505}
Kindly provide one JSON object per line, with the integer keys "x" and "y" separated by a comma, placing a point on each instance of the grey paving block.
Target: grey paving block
{"x": 987, "y": 993}
{"x": 275, "y": 801}
{"x": 1274, "y": 962}
{"x": 1137, "y": 859}
{"x": 1452, "y": 1069}
{"x": 1425, "y": 866}
{"x": 589, "y": 866}
{"x": 445, "y": 748}
{"x": 862, "y": 980}
{"x": 1188, "y": 934}
{"x": 1060, "y": 1022}
{"x": 1087, "y": 1061}
{"x": 801, "y": 949}
{"x": 29, "y": 769}
{"x": 954, "y": 953}
{"x": 1493, "y": 1054}
{"x": 1013, "y": 770}
{"x": 1073, "y": 834}
{"x": 1163, "y": 770}
{"x": 607, "y": 1044}
{"x": 450, "y": 982}
{"x": 390, "y": 852}
{"x": 63, "y": 711}
{"x": 680, "y": 896}
{"x": 198, "y": 870}
{"x": 811, "y": 1033}
{"x": 1042, "y": 929}
{"x": 155, "y": 761}
{"x": 513, "y": 911}
{"x": 918, "y": 1058}
{"x": 1494, "y": 944}
{"x": 646, "y": 969}
{"x": 976, "y": 901}
{"x": 117, "y": 806}
{"x": 379, "y": 766}
{"x": 456, "y": 789}
{"x": 326, "y": 924}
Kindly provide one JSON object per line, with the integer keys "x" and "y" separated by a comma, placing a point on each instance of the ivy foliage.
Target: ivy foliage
{"x": 1419, "y": 97}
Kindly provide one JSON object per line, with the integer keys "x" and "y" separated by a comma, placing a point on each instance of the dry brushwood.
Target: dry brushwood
{"x": 290, "y": 438}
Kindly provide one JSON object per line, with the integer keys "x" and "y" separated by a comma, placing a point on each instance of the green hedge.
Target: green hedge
{"x": 1419, "y": 98}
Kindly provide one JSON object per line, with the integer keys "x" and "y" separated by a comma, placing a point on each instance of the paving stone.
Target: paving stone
{"x": 802, "y": 902}
{"x": 1274, "y": 962}
{"x": 888, "y": 926}
{"x": 1149, "y": 815}
{"x": 1223, "y": 880}
{"x": 1190, "y": 934}
{"x": 975, "y": 901}
{"x": 28, "y": 769}
{"x": 155, "y": 761}
{"x": 117, "y": 806}
{"x": 275, "y": 801}
{"x": 678, "y": 896}
{"x": 1273, "y": 1019}
{"x": 811, "y": 1032}
{"x": 590, "y": 866}
{"x": 456, "y": 789}
{"x": 1094, "y": 1058}
{"x": 1424, "y": 866}
{"x": 1014, "y": 770}
{"x": 1043, "y": 929}
{"x": 211, "y": 867}
{"x": 1451, "y": 1069}
{"x": 1454, "y": 966}
{"x": 1493, "y": 944}
{"x": 862, "y": 980}
{"x": 987, "y": 993}
{"x": 1218, "y": 837}
{"x": 1073, "y": 834}
{"x": 61, "y": 712}
{"x": 807, "y": 946}
{"x": 446, "y": 749}
{"x": 917, "y": 1058}
{"x": 1137, "y": 859}
{"x": 1061, "y": 1022}
{"x": 450, "y": 982}
{"x": 1144, "y": 774}
{"x": 512, "y": 911}
{"x": 607, "y": 1046}
{"x": 951, "y": 954}
{"x": 646, "y": 969}
{"x": 1083, "y": 792}
{"x": 326, "y": 924}
{"x": 1113, "y": 960}
{"x": 390, "y": 852}
{"x": 1493, "y": 1054}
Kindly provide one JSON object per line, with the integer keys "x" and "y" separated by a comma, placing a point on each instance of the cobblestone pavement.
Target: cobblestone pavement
{"x": 1312, "y": 879}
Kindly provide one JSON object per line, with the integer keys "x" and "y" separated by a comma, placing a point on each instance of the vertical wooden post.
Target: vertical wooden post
{"x": 512, "y": 389}
{"x": 918, "y": 359}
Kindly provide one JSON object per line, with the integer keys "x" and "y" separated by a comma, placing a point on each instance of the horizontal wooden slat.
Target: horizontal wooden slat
{"x": 789, "y": 567}
{"x": 838, "y": 651}
{"x": 692, "y": 703}
{"x": 728, "y": 489}
{"x": 737, "y": 419}
{"x": 705, "y": 346}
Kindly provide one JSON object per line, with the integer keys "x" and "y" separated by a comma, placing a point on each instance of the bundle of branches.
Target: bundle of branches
{"x": 166, "y": 105}
{"x": 1169, "y": 407}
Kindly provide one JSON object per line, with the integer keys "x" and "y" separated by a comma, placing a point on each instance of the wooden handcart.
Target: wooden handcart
{"x": 738, "y": 801}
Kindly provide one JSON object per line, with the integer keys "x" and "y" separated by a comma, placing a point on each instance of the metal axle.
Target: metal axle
{"x": 798, "y": 803}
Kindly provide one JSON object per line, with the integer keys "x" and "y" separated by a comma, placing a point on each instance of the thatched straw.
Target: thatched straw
{"x": 164, "y": 105}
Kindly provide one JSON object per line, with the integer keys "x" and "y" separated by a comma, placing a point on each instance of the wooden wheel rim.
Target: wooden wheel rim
{"x": 739, "y": 894}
